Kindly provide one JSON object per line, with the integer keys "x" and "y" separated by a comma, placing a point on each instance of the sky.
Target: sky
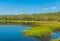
{"x": 28, "y": 6}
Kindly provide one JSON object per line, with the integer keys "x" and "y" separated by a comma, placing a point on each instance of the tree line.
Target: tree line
{"x": 33, "y": 17}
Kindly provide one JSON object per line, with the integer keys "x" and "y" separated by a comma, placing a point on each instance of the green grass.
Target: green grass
{"x": 58, "y": 39}
{"x": 44, "y": 30}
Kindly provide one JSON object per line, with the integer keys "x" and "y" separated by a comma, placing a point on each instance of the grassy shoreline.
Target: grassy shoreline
{"x": 30, "y": 22}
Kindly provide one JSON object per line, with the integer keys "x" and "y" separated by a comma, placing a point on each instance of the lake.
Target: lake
{"x": 15, "y": 33}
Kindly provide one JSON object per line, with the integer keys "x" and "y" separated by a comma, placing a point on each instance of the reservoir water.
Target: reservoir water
{"x": 15, "y": 33}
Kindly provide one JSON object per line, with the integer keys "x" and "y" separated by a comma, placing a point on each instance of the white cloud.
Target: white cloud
{"x": 53, "y": 8}
{"x": 45, "y": 8}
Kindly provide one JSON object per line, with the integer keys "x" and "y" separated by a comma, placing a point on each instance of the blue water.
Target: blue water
{"x": 56, "y": 35}
{"x": 14, "y": 33}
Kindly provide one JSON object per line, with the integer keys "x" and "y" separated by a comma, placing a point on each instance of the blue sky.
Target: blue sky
{"x": 28, "y": 6}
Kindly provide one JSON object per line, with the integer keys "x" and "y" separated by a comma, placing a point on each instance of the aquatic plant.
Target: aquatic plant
{"x": 43, "y": 34}
{"x": 58, "y": 39}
